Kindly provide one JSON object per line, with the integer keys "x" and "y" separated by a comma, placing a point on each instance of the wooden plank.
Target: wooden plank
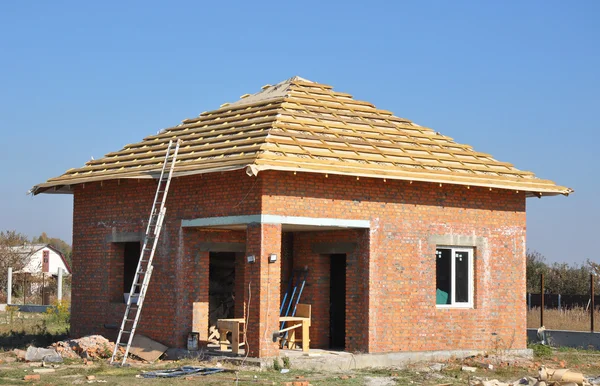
{"x": 200, "y": 320}
{"x": 146, "y": 348}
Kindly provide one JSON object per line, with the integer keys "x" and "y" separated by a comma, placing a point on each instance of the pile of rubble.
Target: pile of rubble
{"x": 87, "y": 347}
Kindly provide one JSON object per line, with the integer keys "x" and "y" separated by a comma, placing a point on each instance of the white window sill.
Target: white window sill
{"x": 455, "y": 306}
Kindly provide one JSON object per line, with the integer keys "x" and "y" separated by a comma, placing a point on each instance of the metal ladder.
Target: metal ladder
{"x": 143, "y": 271}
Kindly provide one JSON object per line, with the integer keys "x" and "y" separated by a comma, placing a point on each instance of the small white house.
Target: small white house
{"x": 42, "y": 258}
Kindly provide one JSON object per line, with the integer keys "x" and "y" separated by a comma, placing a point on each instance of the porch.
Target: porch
{"x": 242, "y": 266}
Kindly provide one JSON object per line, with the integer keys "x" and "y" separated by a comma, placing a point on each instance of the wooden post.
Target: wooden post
{"x": 43, "y": 285}
{"x": 592, "y": 308}
{"x": 542, "y": 295}
{"x": 59, "y": 285}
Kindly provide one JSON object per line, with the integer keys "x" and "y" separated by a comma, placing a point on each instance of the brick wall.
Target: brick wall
{"x": 316, "y": 291}
{"x": 390, "y": 284}
{"x": 181, "y": 273}
{"x": 399, "y": 312}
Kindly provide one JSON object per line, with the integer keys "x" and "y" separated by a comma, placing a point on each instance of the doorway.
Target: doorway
{"x": 221, "y": 286}
{"x": 337, "y": 302}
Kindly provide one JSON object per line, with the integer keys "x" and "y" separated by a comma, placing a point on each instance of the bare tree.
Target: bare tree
{"x": 11, "y": 256}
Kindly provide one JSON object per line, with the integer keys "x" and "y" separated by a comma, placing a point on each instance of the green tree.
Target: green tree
{"x": 535, "y": 266}
{"x": 559, "y": 278}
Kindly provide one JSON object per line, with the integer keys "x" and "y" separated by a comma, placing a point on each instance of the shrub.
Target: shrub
{"x": 541, "y": 350}
{"x": 59, "y": 312}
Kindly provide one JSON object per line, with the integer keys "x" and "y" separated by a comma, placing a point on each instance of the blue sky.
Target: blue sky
{"x": 518, "y": 80}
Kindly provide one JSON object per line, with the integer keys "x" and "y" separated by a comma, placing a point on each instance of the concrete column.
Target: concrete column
{"x": 9, "y": 287}
{"x": 262, "y": 284}
{"x": 60, "y": 284}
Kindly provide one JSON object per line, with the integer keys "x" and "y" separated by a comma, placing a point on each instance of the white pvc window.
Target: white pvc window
{"x": 454, "y": 277}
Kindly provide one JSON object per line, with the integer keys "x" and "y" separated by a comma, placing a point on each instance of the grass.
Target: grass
{"x": 21, "y": 329}
{"x": 576, "y": 319}
{"x": 585, "y": 361}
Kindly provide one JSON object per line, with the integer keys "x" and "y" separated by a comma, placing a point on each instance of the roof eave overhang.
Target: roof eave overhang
{"x": 66, "y": 187}
{"x": 529, "y": 192}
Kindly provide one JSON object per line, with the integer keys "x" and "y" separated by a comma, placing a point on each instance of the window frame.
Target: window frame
{"x": 471, "y": 277}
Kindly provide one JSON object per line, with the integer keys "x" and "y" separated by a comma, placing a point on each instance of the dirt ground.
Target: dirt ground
{"x": 19, "y": 330}
{"x": 12, "y": 372}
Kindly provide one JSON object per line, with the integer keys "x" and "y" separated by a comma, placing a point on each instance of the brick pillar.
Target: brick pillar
{"x": 358, "y": 285}
{"x": 264, "y": 280}
{"x": 192, "y": 289}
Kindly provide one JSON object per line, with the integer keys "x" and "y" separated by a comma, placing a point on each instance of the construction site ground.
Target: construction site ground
{"x": 19, "y": 330}
{"x": 451, "y": 372}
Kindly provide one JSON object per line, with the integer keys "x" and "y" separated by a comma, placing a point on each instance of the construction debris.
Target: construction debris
{"x": 35, "y": 354}
{"x": 560, "y": 376}
{"x": 87, "y": 347}
{"x": 546, "y": 377}
{"x": 146, "y": 348}
{"x": 32, "y": 377}
{"x": 180, "y": 372}
{"x": 43, "y": 370}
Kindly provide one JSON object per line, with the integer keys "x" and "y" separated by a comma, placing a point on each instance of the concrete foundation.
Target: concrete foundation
{"x": 341, "y": 361}
{"x": 562, "y": 338}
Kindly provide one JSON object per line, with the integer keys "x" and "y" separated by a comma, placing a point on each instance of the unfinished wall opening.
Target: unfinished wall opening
{"x": 131, "y": 256}
{"x": 124, "y": 257}
{"x": 221, "y": 287}
{"x": 337, "y": 301}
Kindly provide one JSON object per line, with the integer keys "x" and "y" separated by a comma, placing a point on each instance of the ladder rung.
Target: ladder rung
{"x": 122, "y": 344}
{"x": 126, "y": 332}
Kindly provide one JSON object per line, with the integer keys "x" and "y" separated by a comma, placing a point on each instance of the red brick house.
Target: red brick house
{"x": 413, "y": 242}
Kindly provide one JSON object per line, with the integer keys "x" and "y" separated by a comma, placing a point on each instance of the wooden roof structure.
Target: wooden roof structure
{"x": 303, "y": 126}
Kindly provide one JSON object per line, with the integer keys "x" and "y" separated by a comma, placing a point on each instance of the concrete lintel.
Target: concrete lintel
{"x": 222, "y": 247}
{"x": 274, "y": 219}
{"x": 330, "y": 248}
{"x": 454, "y": 240}
{"x": 125, "y": 237}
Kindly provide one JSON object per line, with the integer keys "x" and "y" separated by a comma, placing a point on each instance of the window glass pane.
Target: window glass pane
{"x": 443, "y": 276}
{"x": 461, "y": 261}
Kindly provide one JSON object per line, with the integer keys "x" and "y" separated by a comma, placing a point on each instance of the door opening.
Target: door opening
{"x": 221, "y": 286}
{"x": 337, "y": 302}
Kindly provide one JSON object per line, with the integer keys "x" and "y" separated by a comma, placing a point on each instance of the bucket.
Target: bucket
{"x": 193, "y": 341}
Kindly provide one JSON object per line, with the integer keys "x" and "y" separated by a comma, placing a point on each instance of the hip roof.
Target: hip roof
{"x": 303, "y": 126}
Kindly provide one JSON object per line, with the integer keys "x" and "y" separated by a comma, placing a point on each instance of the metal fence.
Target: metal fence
{"x": 560, "y": 302}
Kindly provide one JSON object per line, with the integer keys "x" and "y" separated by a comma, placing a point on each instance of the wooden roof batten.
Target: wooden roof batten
{"x": 303, "y": 126}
